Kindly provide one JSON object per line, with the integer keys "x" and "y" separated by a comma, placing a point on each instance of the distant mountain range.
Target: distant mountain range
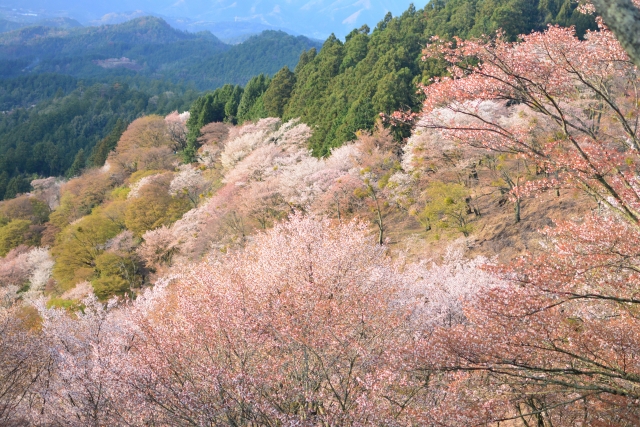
{"x": 313, "y": 18}
{"x": 147, "y": 46}
{"x": 6, "y": 25}
{"x": 229, "y": 32}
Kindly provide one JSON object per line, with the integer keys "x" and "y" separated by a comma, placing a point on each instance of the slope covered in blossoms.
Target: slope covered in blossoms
{"x": 484, "y": 271}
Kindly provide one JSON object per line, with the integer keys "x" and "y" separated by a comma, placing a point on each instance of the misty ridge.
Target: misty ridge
{"x": 316, "y": 19}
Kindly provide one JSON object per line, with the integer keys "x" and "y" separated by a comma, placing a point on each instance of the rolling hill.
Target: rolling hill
{"x": 146, "y": 46}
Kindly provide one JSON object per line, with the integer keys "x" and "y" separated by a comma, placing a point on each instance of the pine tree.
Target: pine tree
{"x": 108, "y": 144}
{"x": 256, "y": 87}
{"x": 279, "y": 92}
{"x": 78, "y": 165}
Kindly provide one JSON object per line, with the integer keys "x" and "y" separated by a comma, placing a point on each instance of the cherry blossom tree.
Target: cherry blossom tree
{"x": 302, "y": 327}
{"x": 444, "y": 288}
{"x": 189, "y": 182}
{"x": 576, "y": 113}
{"x": 14, "y": 267}
{"x": 623, "y": 17}
{"x": 177, "y": 131}
{"x": 159, "y": 247}
{"x": 144, "y": 145}
{"x": 79, "y": 390}
{"x": 47, "y": 189}
{"x": 26, "y": 269}
{"x": 556, "y": 344}
{"x": 24, "y": 362}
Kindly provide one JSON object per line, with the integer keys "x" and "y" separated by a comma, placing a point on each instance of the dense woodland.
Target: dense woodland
{"x": 470, "y": 259}
{"x": 343, "y": 88}
{"x": 159, "y": 52}
{"x": 55, "y": 113}
{"x": 60, "y": 136}
{"x": 337, "y": 91}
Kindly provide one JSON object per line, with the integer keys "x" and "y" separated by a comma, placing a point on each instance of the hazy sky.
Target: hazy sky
{"x": 317, "y": 18}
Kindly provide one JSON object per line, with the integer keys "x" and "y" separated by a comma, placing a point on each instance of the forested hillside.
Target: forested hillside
{"x": 346, "y": 85}
{"x": 26, "y": 91}
{"x": 337, "y": 91}
{"x": 153, "y": 49}
{"x": 207, "y": 268}
{"x": 60, "y": 136}
{"x": 75, "y": 87}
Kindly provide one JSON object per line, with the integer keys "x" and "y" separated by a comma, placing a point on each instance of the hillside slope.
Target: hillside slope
{"x": 151, "y": 47}
{"x": 343, "y": 87}
{"x": 483, "y": 271}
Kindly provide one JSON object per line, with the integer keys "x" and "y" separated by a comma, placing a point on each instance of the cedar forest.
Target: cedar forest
{"x": 431, "y": 223}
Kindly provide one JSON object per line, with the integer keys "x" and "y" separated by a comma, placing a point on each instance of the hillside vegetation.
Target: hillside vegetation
{"x": 346, "y": 85}
{"x": 61, "y": 136}
{"x": 209, "y": 268}
{"x": 8, "y": 26}
{"x": 155, "y": 50}
{"x": 337, "y": 91}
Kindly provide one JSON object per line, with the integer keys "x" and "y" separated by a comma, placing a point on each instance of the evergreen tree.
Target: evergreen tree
{"x": 17, "y": 185}
{"x": 4, "y": 182}
{"x": 232, "y": 104}
{"x": 108, "y": 144}
{"x": 78, "y": 165}
{"x": 254, "y": 90}
{"x": 217, "y": 106}
{"x": 279, "y": 92}
{"x": 306, "y": 57}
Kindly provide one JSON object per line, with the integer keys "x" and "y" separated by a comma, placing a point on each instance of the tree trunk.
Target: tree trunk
{"x": 517, "y": 210}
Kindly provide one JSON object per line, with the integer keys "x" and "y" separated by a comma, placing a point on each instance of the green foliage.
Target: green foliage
{"x": 447, "y": 207}
{"x": 277, "y": 95}
{"x": 4, "y": 181}
{"x": 78, "y": 164}
{"x": 27, "y": 208}
{"x": 116, "y": 275}
{"x": 107, "y": 144}
{"x": 81, "y": 243}
{"x": 64, "y": 304}
{"x": 120, "y": 193}
{"x": 154, "y": 207}
{"x": 473, "y": 18}
{"x": 262, "y": 54}
{"x": 230, "y": 104}
{"x": 25, "y": 91}
{"x": 150, "y": 41}
{"x": 346, "y": 85}
{"x": 251, "y": 105}
{"x": 40, "y": 211}
{"x": 46, "y": 140}
{"x": 156, "y": 51}
{"x": 217, "y": 106}
{"x": 19, "y": 184}
{"x": 14, "y": 234}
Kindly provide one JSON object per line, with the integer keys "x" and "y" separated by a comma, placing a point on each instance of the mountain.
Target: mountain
{"x": 7, "y": 25}
{"x": 313, "y": 18}
{"x": 230, "y": 32}
{"x": 146, "y": 46}
{"x": 258, "y": 54}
